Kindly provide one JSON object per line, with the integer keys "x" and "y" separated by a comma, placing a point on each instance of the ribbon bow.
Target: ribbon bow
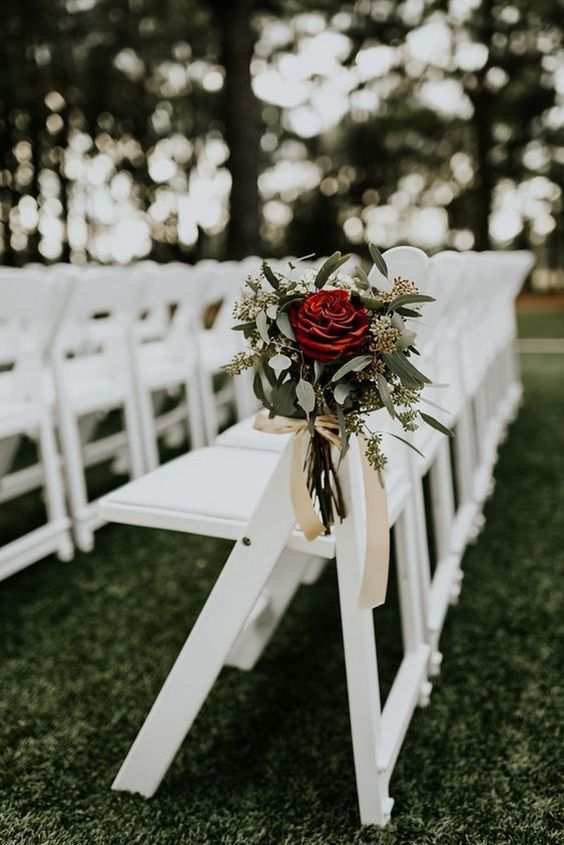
{"x": 372, "y": 591}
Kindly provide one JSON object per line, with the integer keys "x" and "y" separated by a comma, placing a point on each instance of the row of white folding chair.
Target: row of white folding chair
{"x": 473, "y": 360}
{"x": 484, "y": 325}
{"x": 93, "y": 369}
{"x": 168, "y": 486}
{"x": 156, "y": 501}
{"x": 119, "y": 347}
{"x": 173, "y": 364}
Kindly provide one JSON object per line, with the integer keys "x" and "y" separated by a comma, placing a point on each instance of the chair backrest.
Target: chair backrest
{"x": 405, "y": 262}
{"x": 31, "y": 307}
{"x": 32, "y": 304}
{"x": 103, "y": 291}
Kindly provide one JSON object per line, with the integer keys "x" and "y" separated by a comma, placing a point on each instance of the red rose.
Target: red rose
{"x": 328, "y": 325}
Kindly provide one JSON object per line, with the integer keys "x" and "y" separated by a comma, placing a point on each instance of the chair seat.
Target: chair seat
{"x": 160, "y": 367}
{"x": 218, "y": 483}
{"x": 211, "y": 491}
{"x": 214, "y": 491}
{"x": 89, "y": 384}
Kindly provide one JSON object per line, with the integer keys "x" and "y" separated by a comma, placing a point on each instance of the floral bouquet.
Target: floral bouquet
{"x": 328, "y": 349}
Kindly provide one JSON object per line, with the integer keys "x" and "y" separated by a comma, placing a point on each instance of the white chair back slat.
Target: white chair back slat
{"x": 111, "y": 292}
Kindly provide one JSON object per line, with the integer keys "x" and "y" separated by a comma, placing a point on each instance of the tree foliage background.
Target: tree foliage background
{"x": 184, "y": 128}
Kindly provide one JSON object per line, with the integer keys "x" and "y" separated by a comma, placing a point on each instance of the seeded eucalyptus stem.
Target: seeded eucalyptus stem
{"x": 323, "y": 481}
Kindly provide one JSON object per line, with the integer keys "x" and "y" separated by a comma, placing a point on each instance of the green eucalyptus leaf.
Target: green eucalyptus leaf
{"x": 362, "y": 278}
{"x": 259, "y": 390}
{"x": 283, "y": 323}
{"x": 413, "y": 370}
{"x": 409, "y": 299}
{"x": 242, "y": 327}
{"x": 373, "y": 304}
{"x": 407, "y": 442}
{"x": 279, "y": 363}
{"x": 257, "y": 387}
{"x": 397, "y": 364}
{"x": 261, "y": 321}
{"x": 408, "y": 312}
{"x": 284, "y": 399}
{"x": 270, "y": 277}
{"x": 272, "y": 311}
{"x": 305, "y": 395}
{"x": 386, "y": 396}
{"x": 401, "y": 365}
{"x": 286, "y": 301}
{"x": 355, "y": 364}
{"x": 434, "y": 423}
{"x": 329, "y": 267}
{"x": 341, "y": 392}
{"x": 343, "y": 433}
{"x": 378, "y": 259}
{"x": 318, "y": 368}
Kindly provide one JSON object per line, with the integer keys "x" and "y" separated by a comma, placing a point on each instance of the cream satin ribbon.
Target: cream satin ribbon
{"x": 372, "y": 591}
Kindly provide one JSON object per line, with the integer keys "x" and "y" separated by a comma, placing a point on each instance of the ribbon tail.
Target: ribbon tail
{"x": 372, "y": 591}
{"x": 306, "y": 516}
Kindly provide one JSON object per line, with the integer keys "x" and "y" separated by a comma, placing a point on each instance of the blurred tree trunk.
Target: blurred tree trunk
{"x": 482, "y": 124}
{"x": 241, "y": 126}
{"x": 483, "y": 138}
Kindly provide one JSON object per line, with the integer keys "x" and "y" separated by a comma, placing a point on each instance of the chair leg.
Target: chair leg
{"x": 74, "y": 473}
{"x": 463, "y": 456}
{"x": 229, "y": 604}
{"x": 54, "y": 490}
{"x": 442, "y": 500}
{"x": 276, "y": 596}
{"x": 361, "y": 667}
{"x": 209, "y": 407}
{"x": 196, "y": 426}
{"x": 133, "y": 426}
{"x": 147, "y": 427}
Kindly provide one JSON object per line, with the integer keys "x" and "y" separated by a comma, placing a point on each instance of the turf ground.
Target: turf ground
{"x": 86, "y": 645}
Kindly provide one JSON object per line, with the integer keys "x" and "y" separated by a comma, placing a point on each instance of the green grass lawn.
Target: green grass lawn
{"x": 541, "y": 322}
{"x": 86, "y": 646}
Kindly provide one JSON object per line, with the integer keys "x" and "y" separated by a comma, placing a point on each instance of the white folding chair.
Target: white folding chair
{"x": 89, "y": 386}
{"x": 33, "y": 306}
{"x": 243, "y": 495}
